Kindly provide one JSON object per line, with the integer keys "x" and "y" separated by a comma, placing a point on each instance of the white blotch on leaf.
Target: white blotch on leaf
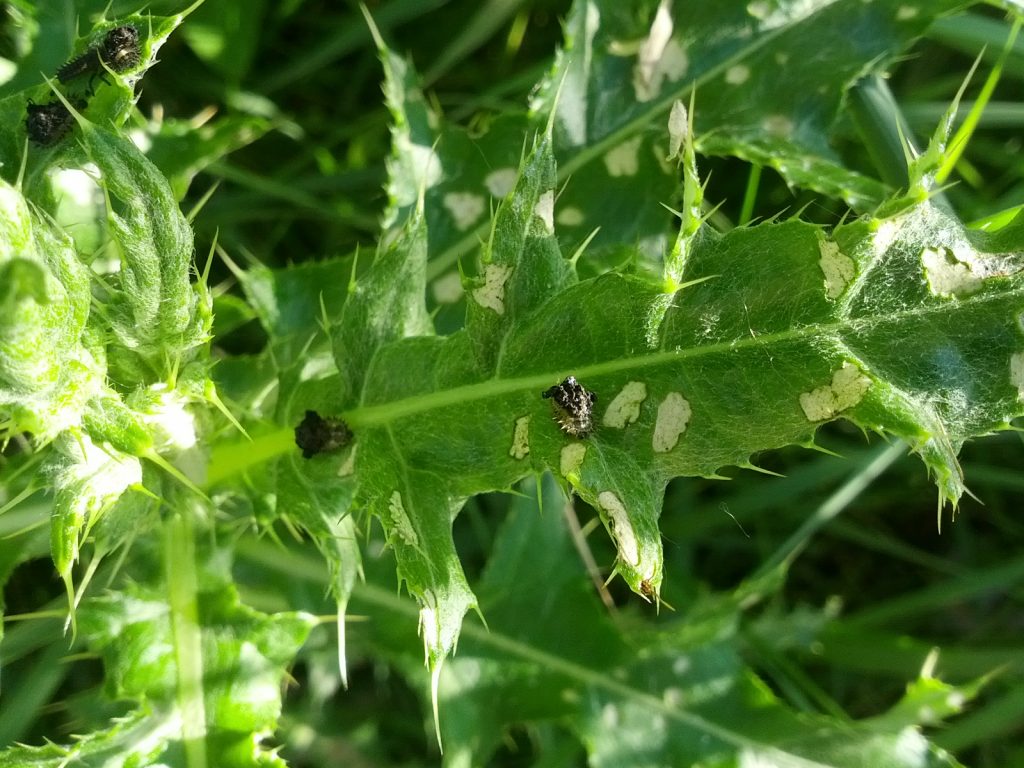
{"x": 674, "y": 61}
{"x": 949, "y": 273}
{"x": 846, "y": 390}
{"x": 500, "y": 182}
{"x": 520, "y": 438}
{"x": 778, "y": 125}
{"x": 737, "y": 74}
{"x": 447, "y": 289}
{"x": 610, "y": 716}
{"x": 349, "y": 466}
{"x": 838, "y": 268}
{"x": 673, "y": 697}
{"x": 1017, "y": 373}
{"x": 625, "y": 407}
{"x": 571, "y": 459}
{"x": 425, "y": 163}
{"x": 624, "y": 160}
{"x": 492, "y": 293}
{"x": 884, "y": 236}
{"x": 678, "y": 128}
{"x": 907, "y": 12}
{"x": 570, "y": 216}
{"x": 646, "y": 77}
{"x": 400, "y": 522}
{"x": 620, "y": 526}
{"x": 545, "y": 210}
{"x": 759, "y": 9}
{"x": 673, "y": 416}
{"x": 466, "y": 208}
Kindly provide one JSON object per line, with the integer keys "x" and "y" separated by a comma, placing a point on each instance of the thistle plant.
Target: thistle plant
{"x": 554, "y": 309}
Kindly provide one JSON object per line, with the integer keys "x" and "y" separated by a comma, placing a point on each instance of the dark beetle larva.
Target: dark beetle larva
{"x": 573, "y": 407}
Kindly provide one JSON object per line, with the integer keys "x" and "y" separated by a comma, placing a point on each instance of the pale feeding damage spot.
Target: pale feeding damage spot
{"x": 570, "y": 216}
{"x": 625, "y": 407}
{"x": 500, "y": 182}
{"x": 759, "y": 9}
{"x": 610, "y": 716}
{"x": 885, "y": 236}
{"x": 772, "y": 14}
{"x": 425, "y": 162}
{"x": 778, "y": 125}
{"x": 571, "y": 459}
{"x": 846, "y": 390}
{"x": 838, "y": 268}
{"x": 545, "y": 210}
{"x": 400, "y": 522}
{"x": 447, "y": 289}
{"x": 349, "y": 465}
{"x": 620, "y": 526}
{"x": 673, "y": 416}
{"x": 646, "y": 80}
{"x": 674, "y": 61}
{"x": 624, "y": 160}
{"x": 492, "y": 293}
{"x": 648, "y": 75}
{"x": 466, "y": 208}
{"x": 737, "y": 74}
{"x": 949, "y": 273}
{"x": 907, "y": 12}
{"x": 520, "y": 439}
{"x": 678, "y": 129}
{"x": 1017, "y": 373}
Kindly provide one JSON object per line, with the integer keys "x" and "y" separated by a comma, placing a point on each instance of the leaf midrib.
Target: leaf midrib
{"x": 228, "y": 459}
{"x": 376, "y": 415}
